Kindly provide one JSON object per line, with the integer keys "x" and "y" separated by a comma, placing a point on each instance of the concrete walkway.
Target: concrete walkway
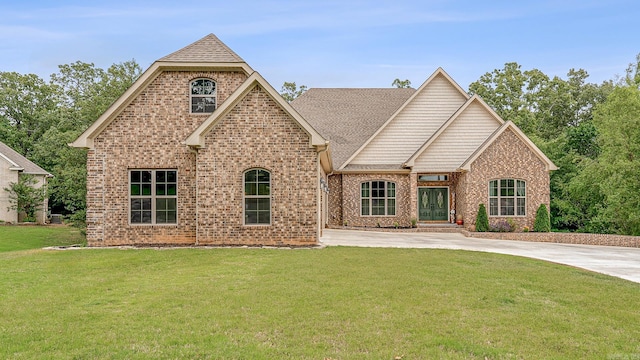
{"x": 616, "y": 261}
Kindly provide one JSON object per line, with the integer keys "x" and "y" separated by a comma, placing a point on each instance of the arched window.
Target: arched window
{"x": 378, "y": 198}
{"x": 257, "y": 197}
{"x": 507, "y": 197}
{"x": 203, "y": 96}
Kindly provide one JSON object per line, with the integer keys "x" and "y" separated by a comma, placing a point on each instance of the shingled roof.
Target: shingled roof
{"x": 20, "y": 162}
{"x": 207, "y": 49}
{"x": 349, "y": 117}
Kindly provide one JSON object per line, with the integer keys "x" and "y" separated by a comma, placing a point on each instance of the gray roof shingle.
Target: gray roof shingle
{"x": 207, "y": 49}
{"x": 349, "y": 117}
{"x": 28, "y": 166}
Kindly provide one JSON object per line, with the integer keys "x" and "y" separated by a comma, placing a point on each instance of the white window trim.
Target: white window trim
{"x": 153, "y": 198}
{"x": 386, "y": 198}
{"x": 515, "y": 197}
{"x": 244, "y": 196}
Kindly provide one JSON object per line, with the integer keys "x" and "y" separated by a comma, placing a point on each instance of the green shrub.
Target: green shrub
{"x": 482, "y": 220}
{"x": 543, "y": 222}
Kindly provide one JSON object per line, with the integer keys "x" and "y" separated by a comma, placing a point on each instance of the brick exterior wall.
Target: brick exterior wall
{"x": 350, "y": 194}
{"x": 148, "y": 134}
{"x": 508, "y": 157}
{"x": 335, "y": 200}
{"x": 257, "y": 133}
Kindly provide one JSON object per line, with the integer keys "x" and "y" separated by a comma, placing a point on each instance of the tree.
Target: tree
{"x": 25, "y": 197}
{"x": 290, "y": 91}
{"x": 86, "y": 92}
{"x": 542, "y": 222}
{"x": 402, "y": 84}
{"x": 482, "y": 220}
{"x": 615, "y": 172}
{"x": 25, "y": 101}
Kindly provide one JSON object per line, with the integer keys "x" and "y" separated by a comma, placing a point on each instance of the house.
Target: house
{"x": 431, "y": 155}
{"x": 203, "y": 150}
{"x": 12, "y": 167}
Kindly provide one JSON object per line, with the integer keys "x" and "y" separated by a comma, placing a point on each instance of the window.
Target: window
{"x": 507, "y": 197}
{"x": 153, "y": 196}
{"x": 433, "y": 177}
{"x": 203, "y": 96}
{"x": 378, "y": 198}
{"x": 257, "y": 197}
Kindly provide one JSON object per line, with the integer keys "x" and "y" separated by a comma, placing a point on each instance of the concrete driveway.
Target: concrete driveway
{"x": 616, "y": 261}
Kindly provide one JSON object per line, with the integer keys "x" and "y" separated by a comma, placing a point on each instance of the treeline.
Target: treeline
{"x": 590, "y": 131}
{"x": 39, "y": 118}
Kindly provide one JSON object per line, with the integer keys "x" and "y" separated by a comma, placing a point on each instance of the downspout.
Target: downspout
{"x": 195, "y": 152}
{"x": 319, "y": 191}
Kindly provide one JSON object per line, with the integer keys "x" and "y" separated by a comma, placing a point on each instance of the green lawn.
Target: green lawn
{"x": 333, "y": 303}
{"x": 23, "y": 237}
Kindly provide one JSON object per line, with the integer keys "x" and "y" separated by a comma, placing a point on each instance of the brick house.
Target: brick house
{"x": 202, "y": 150}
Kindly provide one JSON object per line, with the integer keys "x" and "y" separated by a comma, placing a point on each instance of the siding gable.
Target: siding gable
{"x": 424, "y": 113}
{"x": 455, "y": 143}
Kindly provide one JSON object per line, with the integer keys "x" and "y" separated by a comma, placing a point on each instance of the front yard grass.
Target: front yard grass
{"x": 333, "y": 303}
{"x": 23, "y": 237}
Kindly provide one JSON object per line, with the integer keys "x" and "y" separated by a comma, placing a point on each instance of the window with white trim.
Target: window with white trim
{"x": 507, "y": 197}
{"x": 203, "y": 96}
{"x": 257, "y": 197}
{"x": 153, "y": 196}
{"x": 378, "y": 198}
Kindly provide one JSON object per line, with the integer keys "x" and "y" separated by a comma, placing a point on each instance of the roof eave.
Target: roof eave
{"x": 85, "y": 140}
{"x": 446, "y": 124}
{"x": 549, "y": 165}
{"x": 439, "y": 71}
{"x": 197, "y": 138}
{"x": 373, "y": 171}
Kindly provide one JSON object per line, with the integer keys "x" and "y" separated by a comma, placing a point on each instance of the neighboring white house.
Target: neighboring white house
{"x": 12, "y": 166}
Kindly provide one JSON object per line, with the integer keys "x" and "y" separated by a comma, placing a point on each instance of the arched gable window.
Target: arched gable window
{"x": 507, "y": 197}
{"x": 377, "y": 198}
{"x": 257, "y": 197}
{"x": 203, "y": 96}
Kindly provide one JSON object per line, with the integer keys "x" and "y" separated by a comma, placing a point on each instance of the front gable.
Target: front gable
{"x": 457, "y": 139}
{"x": 520, "y": 141}
{"x": 421, "y": 115}
{"x": 207, "y": 55}
{"x": 256, "y": 81}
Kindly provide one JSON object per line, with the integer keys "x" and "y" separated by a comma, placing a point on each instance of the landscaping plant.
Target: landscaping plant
{"x": 482, "y": 220}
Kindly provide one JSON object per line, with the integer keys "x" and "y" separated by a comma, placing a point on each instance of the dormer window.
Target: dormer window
{"x": 203, "y": 96}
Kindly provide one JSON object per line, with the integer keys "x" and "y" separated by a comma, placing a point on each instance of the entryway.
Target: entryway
{"x": 433, "y": 203}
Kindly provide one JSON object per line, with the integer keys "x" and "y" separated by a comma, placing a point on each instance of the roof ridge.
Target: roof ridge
{"x": 208, "y": 49}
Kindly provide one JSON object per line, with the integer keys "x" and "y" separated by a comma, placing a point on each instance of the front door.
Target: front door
{"x": 433, "y": 204}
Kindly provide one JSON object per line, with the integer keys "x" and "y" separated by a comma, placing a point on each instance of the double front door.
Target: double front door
{"x": 433, "y": 204}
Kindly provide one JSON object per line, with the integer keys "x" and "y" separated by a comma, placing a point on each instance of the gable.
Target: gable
{"x": 521, "y": 142}
{"x": 208, "y": 54}
{"x": 415, "y": 122}
{"x": 453, "y": 146}
{"x": 196, "y": 139}
{"x": 349, "y": 117}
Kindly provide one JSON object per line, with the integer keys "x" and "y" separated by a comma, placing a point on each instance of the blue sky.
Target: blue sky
{"x": 331, "y": 43}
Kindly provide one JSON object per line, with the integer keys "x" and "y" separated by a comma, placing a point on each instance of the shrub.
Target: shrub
{"x": 482, "y": 220}
{"x": 25, "y": 197}
{"x": 503, "y": 226}
{"x": 543, "y": 222}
